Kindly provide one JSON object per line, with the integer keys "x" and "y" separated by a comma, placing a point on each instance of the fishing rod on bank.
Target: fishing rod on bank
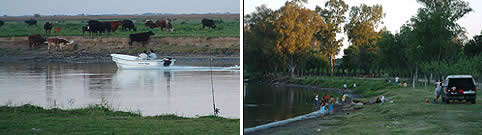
{"x": 216, "y": 110}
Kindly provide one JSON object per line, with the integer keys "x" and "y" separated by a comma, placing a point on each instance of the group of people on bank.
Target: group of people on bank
{"x": 326, "y": 103}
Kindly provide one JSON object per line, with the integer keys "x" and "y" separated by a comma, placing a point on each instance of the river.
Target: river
{"x": 184, "y": 93}
{"x": 264, "y": 103}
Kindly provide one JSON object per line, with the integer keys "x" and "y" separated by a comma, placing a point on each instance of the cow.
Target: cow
{"x": 107, "y": 26}
{"x": 96, "y": 27}
{"x": 164, "y": 24}
{"x": 1, "y": 23}
{"x": 85, "y": 28}
{"x": 58, "y": 43}
{"x": 47, "y": 28}
{"x": 151, "y": 24}
{"x": 113, "y": 25}
{"x": 128, "y": 24}
{"x": 31, "y": 22}
{"x": 208, "y": 23}
{"x": 57, "y": 30}
{"x": 35, "y": 40}
{"x": 140, "y": 37}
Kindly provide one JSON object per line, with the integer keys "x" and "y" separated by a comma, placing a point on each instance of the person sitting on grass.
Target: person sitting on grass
{"x": 143, "y": 55}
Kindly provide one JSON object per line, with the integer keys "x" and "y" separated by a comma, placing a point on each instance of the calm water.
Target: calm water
{"x": 265, "y": 103}
{"x": 151, "y": 92}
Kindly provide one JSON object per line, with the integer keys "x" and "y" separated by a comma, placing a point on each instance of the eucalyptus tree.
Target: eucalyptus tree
{"x": 333, "y": 16}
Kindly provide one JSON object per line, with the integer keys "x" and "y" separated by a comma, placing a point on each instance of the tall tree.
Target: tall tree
{"x": 333, "y": 16}
{"x": 474, "y": 46}
{"x": 362, "y": 32}
{"x": 294, "y": 26}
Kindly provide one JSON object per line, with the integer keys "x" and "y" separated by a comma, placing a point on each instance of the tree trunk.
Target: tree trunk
{"x": 414, "y": 77}
{"x": 332, "y": 64}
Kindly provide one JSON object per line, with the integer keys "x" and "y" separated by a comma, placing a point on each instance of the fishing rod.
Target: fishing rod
{"x": 216, "y": 110}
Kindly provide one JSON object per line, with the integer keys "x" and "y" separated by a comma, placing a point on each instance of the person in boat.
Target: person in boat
{"x": 152, "y": 55}
{"x": 143, "y": 55}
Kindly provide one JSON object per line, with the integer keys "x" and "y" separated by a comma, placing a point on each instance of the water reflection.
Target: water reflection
{"x": 265, "y": 103}
{"x": 152, "y": 92}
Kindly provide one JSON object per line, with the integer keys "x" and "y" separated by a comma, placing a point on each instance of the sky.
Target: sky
{"x": 74, "y": 7}
{"x": 397, "y": 13}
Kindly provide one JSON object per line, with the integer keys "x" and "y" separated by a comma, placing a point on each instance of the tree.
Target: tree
{"x": 362, "y": 33}
{"x": 333, "y": 16}
{"x": 474, "y": 46}
{"x": 294, "y": 26}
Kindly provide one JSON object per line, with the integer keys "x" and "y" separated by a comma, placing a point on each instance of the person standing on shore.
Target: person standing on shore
{"x": 438, "y": 90}
{"x": 316, "y": 99}
{"x": 332, "y": 102}
{"x": 322, "y": 108}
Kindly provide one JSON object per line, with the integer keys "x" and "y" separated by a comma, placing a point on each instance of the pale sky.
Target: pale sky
{"x": 397, "y": 13}
{"x": 74, "y": 7}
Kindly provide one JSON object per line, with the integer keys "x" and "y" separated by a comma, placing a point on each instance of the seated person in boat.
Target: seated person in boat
{"x": 143, "y": 56}
{"x": 152, "y": 55}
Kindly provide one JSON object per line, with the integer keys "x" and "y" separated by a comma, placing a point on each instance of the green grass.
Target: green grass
{"x": 366, "y": 87}
{"x": 182, "y": 27}
{"x": 409, "y": 114}
{"x": 29, "y": 119}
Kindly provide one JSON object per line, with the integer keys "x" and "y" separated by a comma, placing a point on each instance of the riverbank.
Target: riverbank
{"x": 98, "y": 50}
{"x": 408, "y": 114}
{"x": 29, "y": 119}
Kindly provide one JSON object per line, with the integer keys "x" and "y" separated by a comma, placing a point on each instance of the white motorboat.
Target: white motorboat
{"x": 128, "y": 61}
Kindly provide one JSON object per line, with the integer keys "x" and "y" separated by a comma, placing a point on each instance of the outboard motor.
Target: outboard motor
{"x": 167, "y": 61}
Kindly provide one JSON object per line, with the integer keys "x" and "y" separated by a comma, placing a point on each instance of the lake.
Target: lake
{"x": 264, "y": 103}
{"x": 185, "y": 91}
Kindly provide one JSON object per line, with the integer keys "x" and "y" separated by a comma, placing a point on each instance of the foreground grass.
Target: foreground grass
{"x": 28, "y": 119}
{"x": 182, "y": 27}
{"x": 409, "y": 114}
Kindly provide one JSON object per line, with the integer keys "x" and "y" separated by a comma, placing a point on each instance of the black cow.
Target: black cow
{"x": 151, "y": 24}
{"x": 208, "y": 23}
{"x": 107, "y": 27}
{"x": 1, "y": 23}
{"x": 47, "y": 28}
{"x": 35, "y": 40}
{"x": 31, "y": 22}
{"x": 128, "y": 24}
{"x": 140, "y": 37}
{"x": 96, "y": 27}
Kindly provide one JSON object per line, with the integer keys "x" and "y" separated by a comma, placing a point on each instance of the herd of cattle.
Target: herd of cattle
{"x": 97, "y": 28}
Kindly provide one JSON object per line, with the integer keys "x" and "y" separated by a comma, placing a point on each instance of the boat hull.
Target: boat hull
{"x": 127, "y": 61}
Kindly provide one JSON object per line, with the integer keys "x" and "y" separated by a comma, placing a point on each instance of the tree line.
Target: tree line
{"x": 295, "y": 40}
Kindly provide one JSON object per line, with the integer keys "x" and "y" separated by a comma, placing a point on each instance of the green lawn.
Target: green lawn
{"x": 409, "y": 114}
{"x": 182, "y": 27}
{"x": 30, "y": 119}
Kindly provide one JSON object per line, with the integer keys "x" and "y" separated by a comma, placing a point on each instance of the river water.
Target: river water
{"x": 264, "y": 103}
{"x": 151, "y": 92}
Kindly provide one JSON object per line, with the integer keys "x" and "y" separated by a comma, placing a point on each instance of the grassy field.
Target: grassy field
{"x": 28, "y": 119}
{"x": 182, "y": 28}
{"x": 366, "y": 87}
{"x": 409, "y": 114}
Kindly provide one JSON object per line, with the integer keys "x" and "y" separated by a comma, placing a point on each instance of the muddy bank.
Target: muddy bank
{"x": 91, "y": 50}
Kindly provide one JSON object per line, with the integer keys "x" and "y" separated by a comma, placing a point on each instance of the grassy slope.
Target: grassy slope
{"x": 409, "y": 114}
{"x": 183, "y": 28}
{"x": 29, "y": 119}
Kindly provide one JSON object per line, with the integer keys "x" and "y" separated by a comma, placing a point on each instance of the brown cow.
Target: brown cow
{"x": 57, "y": 30}
{"x": 164, "y": 24}
{"x": 58, "y": 43}
{"x": 114, "y": 24}
{"x": 35, "y": 40}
